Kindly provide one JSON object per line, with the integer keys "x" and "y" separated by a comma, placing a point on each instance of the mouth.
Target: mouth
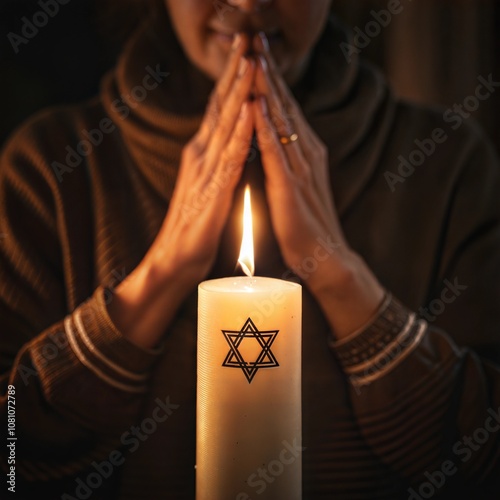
{"x": 222, "y": 37}
{"x": 226, "y": 38}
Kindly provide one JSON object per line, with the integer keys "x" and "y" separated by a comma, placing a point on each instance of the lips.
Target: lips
{"x": 226, "y": 37}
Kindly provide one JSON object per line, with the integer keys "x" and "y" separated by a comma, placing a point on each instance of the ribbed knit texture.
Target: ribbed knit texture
{"x": 71, "y": 235}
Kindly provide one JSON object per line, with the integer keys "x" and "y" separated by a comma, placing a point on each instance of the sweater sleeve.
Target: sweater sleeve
{"x": 425, "y": 405}
{"x": 425, "y": 385}
{"x": 78, "y": 383}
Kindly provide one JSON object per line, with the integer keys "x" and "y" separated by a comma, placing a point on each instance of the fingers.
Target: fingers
{"x": 275, "y": 160}
{"x": 289, "y": 109}
{"x": 270, "y": 147}
{"x": 214, "y": 159}
{"x": 223, "y": 87}
{"x": 238, "y": 49}
{"x": 265, "y": 86}
{"x": 239, "y": 94}
{"x": 212, "y": 196}
{"x": 307, "y": 157}
{"x": 230, "y": 164}
{"x": 212, "y": 175}
{"x": 202, "y": 198}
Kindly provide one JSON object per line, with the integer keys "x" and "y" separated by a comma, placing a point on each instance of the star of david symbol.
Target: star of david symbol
{"x": 250, "y": 333}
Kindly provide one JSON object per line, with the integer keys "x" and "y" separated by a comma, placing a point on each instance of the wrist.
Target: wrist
{"x": 146, "y": 302}
{"x": 349, "y": 294}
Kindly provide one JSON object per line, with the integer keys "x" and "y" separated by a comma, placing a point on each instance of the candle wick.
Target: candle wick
{"x": 246, "y": 269}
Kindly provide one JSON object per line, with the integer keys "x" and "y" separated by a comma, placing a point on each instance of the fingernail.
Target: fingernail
{"x": 263, "y": 62}
{"x": 263, "y": 105}
{"x": 243, "y": 67}
{"x": 244, "y": 110}
{"x": 236, "y": 41}
{"x": 264, "y": 40}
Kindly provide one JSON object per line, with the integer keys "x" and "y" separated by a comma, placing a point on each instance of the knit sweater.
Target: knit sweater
{"x": 404, "y": 406}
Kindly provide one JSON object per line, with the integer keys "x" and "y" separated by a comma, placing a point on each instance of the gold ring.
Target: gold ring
{"x": 288, "y": 139}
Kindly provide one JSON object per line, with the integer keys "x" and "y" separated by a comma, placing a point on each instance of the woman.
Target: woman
{"x": 142, "y": 182}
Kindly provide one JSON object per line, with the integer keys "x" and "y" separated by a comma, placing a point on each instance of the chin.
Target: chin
{"x": 212, "y": 70}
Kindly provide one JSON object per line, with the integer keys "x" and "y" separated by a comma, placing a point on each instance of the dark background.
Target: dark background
{"x": 432, "y": 52}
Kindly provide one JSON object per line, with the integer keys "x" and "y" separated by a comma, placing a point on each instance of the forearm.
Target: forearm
{"x": 78, "y": 384}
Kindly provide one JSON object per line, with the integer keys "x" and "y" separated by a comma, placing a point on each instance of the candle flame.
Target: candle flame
{"x": 246, "y": 258}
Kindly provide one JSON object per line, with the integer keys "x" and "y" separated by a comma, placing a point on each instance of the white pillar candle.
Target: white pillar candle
{"x": 249, "y": 420}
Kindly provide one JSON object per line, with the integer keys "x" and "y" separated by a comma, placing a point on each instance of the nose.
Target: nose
{"x": 250, "y": 5}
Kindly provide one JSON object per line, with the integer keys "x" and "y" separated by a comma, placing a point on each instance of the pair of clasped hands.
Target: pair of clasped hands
{"x": 249, "y": 96}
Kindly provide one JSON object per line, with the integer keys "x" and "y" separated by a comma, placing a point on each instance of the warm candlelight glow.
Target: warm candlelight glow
{"x": 246, "y": 258}
{"x": 248, "y": 389}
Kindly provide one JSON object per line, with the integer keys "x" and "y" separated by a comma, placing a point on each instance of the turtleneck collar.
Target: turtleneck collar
{"x": 348, "y": 104}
